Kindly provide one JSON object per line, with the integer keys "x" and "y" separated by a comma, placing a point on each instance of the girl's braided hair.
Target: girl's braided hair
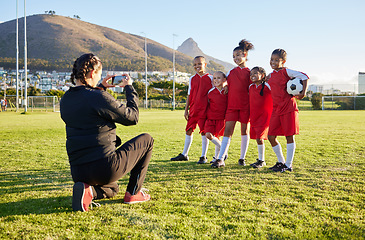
{"x": 263, "y": 72}
{"x": 83, "y": 65}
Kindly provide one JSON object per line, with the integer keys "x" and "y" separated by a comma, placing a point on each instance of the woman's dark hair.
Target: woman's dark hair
{"x": 244, "y": 46}
{"x": 280, "y": 52}
{"x": 263, "y": 72}
{"x": 83, "y": 65}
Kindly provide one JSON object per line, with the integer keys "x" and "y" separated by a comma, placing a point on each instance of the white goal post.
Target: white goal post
{"x": 43, "y": 103}
{"x": 343, "y": 102}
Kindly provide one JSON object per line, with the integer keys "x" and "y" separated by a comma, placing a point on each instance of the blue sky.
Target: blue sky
{"x": 323, "y": 38}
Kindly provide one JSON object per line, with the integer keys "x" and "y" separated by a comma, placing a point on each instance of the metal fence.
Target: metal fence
{"x": 51, "y": 103}
{"x": 161, "y": 104}
{"x": 343, "y": 103}
{"x": 43, "y": 103}
{"x": 35, "y": 103}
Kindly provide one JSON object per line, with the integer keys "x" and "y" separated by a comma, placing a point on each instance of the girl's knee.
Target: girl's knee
{"x": 209, "y": 135}
{"x": 272, "y": 140}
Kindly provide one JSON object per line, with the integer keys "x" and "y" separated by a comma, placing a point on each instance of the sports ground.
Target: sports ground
{"x": 323, "y": 198}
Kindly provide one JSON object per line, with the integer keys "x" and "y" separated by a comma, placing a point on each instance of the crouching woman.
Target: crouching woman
{"x": 96, "y": 158}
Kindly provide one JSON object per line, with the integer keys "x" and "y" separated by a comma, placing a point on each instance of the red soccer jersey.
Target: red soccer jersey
{"x": 198, "y": 94}
{"x": 260, "y": 106}
{"x": 238, "y": 80}
{"x": 283, "y": 102}
{"x": 217, "y": 104}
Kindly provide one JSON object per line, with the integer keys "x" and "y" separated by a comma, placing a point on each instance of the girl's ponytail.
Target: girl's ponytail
{"x": 262, "y": 88}
{"x": 244, "y": 46}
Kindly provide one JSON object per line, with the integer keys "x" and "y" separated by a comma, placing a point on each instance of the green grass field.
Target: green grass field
{"x": 324, "y": 198}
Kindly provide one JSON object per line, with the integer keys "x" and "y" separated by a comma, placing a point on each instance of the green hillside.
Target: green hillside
{"x": 54, "y": 42}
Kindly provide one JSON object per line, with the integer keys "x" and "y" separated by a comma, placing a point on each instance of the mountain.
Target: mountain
{"x": 54, "y": 42}
{"x": 190, "y": 48}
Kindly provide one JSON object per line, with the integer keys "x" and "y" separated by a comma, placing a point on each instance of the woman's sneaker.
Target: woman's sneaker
{"x": 82, "y": 196}
{"x": 217, "y": 164}
{"x": 141, "y": 196}
{"x": 258, "y": 164}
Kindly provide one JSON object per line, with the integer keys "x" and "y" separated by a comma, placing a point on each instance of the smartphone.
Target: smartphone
{"x": 118, "y": 80}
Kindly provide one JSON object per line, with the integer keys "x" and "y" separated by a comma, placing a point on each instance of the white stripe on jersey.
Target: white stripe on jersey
{"x": 211, "y": 80}
{"x": 190, "y": 84}
{"x": 229, "y": 71}
{"x": 266, "y": 84}
{"x": 211, "y": 89}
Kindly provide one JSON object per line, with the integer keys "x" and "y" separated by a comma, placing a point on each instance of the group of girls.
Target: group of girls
{"x": 258, "y": 101}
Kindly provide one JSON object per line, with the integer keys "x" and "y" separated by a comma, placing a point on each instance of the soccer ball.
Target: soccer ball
{"x": 294, "y": 86}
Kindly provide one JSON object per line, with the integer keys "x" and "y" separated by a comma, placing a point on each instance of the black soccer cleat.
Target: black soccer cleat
{"x": 285, "y": 168}
{"x": 218, "y": 164}
{"x": 276, "y": 167}
{"x": 202, "y": 160}
{"x": 242, "y": 162}
{"x": 258, "y": 164}
{"x": 180, "y": 157}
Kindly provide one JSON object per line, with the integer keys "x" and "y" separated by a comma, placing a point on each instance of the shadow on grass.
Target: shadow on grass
{"x": 41, "y": 183}
{"x": 36, "y": 206}
{"x": 33, "y": 180}
{"x": 35, "y": 185}
{"x": 166, "y": 170}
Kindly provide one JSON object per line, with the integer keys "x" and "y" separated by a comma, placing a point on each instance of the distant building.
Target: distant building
{"x": 315, "y": 88}
{"x": 361, "y": 82}
{"x": 45, "y": 84}
{"x": 332, "y": 91}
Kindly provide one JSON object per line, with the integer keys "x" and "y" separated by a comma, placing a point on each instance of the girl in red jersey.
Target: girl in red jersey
{"x": 216, "y": 111}
{"x": 284, "y": 118}
{"x": 195, "y": 108}
{"x": 238, "y": 80}
{"x": 260, "y": 112}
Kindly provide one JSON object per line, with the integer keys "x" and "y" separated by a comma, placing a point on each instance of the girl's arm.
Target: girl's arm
{"x": 186, "y": 113}
{"x": 302, "y": 76}
{"x": 302, "y": 94}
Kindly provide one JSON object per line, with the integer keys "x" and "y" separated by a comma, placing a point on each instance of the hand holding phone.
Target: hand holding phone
{"x": 118, "y": 80}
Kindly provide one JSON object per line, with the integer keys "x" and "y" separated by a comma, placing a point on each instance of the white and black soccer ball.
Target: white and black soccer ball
{"x": 294, "y": 86}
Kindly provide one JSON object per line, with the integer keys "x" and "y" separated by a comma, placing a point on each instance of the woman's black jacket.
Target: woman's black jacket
{"x": 90, "y": 115}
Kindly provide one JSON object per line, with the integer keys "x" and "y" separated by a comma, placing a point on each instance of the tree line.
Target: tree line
{"x": 160, "y": 90}
{"x": 155, "y": 63}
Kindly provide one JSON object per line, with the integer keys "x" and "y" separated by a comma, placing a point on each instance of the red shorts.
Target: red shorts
{"x": 193, "y": 121}
{"x": 215, "y": 127}
{"x": 284, "y": 125}
{"x": 259, "y": 132}
{"x": 242, "y": 116}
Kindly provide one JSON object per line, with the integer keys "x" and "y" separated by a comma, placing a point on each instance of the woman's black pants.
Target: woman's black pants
{"x": 133, "y": 156}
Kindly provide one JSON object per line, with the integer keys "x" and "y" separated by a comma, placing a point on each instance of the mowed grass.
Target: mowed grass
{"x": 324, "y": 198}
